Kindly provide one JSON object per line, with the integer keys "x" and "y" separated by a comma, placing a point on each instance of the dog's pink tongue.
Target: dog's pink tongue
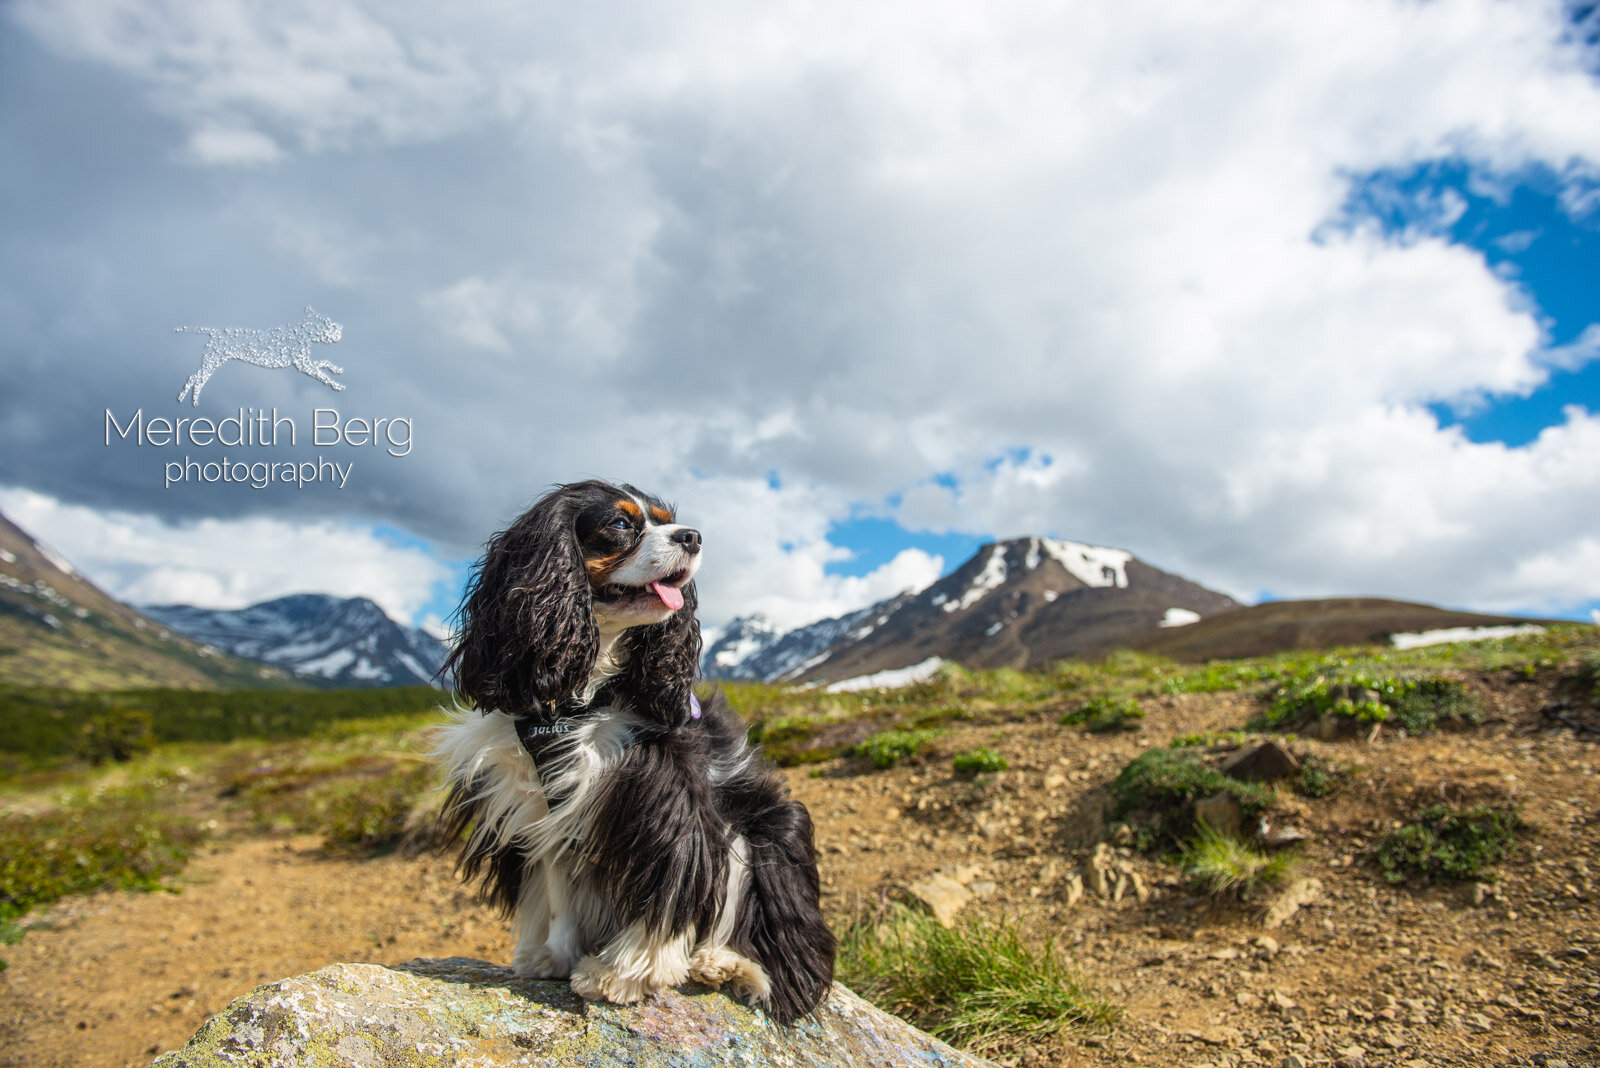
{"x": 670, "y": 596}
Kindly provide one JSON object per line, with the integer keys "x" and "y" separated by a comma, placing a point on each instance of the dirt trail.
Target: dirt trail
{"x": 1371, "y": 973}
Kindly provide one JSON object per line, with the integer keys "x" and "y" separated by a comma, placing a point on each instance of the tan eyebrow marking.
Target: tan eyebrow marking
{"x": 660, "y": 515}
{"x": 631, "y": 508}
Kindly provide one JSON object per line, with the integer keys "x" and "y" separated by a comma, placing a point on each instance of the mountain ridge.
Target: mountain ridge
{"x": 58, "y": 629}
{"x": 345, "y": 640}
{"x": 1014, "y": 603}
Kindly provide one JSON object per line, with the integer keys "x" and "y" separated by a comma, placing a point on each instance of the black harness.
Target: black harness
{"x": 540, "y": 731}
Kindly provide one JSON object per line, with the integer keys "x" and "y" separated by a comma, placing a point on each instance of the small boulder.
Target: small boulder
{"x": 430, "y": 1012}
{"x": 1266, "y": 762}
{"x": 1221, "y": 813}
{"x": 1098, "y": 871}
{"x": 1072, "y": 890}
{"x": 941, "y": 895}
{"x": 1298, "y": 894}
{"x": 1332, "y": 727}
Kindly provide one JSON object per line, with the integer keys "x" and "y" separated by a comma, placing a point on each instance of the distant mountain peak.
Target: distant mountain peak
{"x": 342, "y": 639}
{"x": 1018, "y": 602}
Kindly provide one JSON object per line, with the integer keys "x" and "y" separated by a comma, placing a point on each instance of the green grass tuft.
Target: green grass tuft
{"x": 1207, "y": 739}
{"x": 1105, "y": 713}
{"x": 888, "y": 748}
{"x": 1224, "y": 866}
{"x": 1448, "y": 840}
{"x": 978, "y": 761}
{"x": 1221, "y": 675}
{"x": 977, "y": 985}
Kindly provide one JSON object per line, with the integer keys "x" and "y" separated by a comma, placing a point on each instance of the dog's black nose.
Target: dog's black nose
{"x": 689, "y": 538}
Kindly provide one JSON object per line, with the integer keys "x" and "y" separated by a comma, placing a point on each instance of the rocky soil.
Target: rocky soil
{"x": 1501, "y": 972}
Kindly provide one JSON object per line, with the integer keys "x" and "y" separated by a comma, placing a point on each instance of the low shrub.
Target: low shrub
{"x": 121, "y": 838}
{"x": 978, "y": 761}
{"x": 788, "y": 740}
{"x": 1105, "y": 713}
{"x": 1365, "y": 691}
{"x": 1589, "y": 676}
{"x": 1452, "y": 841}
{"x": 976, "y": 985}
{"x": 118, "y": 734}
{"x": 358, "y": 805}
{"x": 42, "y": 727}
{"x": 1157, "y": 790}
{"x": 887, "y": 748}
{"x": 1319, "y": 777}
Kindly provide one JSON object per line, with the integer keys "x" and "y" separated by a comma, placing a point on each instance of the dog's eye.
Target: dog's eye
{"x": 620, "y": 523}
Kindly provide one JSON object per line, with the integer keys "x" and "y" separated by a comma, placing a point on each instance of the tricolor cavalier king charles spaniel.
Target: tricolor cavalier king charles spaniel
{"x": 636, "y": 839}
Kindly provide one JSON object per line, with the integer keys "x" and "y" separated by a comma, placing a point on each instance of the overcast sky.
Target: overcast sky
{"x": 1292, "y": 299}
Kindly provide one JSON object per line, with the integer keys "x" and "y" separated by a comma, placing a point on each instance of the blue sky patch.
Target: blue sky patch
{"x": 875, "y": 541}
{"x": 1537, "y": 228}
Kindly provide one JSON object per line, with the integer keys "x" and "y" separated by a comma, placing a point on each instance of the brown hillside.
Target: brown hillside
{"x": 1281, "y": 626}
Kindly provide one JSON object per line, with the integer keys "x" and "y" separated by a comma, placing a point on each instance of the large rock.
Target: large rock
{"x": 1266, "y": 762}
{"x": 460, "y": 1011}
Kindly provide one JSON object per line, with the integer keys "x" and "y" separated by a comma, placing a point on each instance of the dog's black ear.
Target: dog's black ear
{"x": 528, "y": 636}
{"x": 662, "y": 661}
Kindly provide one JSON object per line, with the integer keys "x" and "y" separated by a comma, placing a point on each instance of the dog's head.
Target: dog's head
{"x": 589, "y": 562}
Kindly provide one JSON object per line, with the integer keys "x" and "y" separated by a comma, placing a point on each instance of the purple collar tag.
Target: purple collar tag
{"x": 694, "y": 706}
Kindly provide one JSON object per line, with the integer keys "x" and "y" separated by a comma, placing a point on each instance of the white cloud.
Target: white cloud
{"x": 233, "y": 146}
{"x": 766, "y": 552}
{"x": 567, "y": 322}
{"x": 228, "y": 563}
{"x": 865, "y": 252}
{"x": 325, "y": 75}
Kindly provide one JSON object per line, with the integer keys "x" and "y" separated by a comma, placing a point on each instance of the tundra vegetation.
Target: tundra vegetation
{"x": 119, "y": 789}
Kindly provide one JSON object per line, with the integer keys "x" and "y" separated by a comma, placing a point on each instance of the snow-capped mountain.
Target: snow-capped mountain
{"x": 1015, "y": 603}
{"x": 752, "y": 648}
{"x": 348, "y": 640}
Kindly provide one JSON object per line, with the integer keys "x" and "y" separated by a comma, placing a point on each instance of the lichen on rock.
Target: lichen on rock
{"x": 428, "y": 1013}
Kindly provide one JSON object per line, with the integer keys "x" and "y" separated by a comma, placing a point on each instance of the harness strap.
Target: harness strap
{"x": 538, "y": 733}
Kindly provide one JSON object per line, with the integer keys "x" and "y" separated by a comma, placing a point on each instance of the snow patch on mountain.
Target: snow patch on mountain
{"x": 61, "y": 562}
{"x": 992, "y": 576}
{"x": 1448, "y": 635}
{"x": 889, "y": 680}
{"x": 1179, "y": 617}
{"x": 1092, "y": 565}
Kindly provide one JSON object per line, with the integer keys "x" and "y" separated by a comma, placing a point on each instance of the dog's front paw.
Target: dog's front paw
{"x": 718, "y": 967}
{"x": 540, "y": 963}
{"x": 594, "y": 980}
{"x": 713, "y": 967}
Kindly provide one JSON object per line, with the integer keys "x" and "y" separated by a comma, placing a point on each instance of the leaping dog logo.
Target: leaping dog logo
{"x": 281, "y": 346}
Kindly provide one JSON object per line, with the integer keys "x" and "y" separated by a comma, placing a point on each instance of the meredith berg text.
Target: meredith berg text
{"x": 252, "y": 427}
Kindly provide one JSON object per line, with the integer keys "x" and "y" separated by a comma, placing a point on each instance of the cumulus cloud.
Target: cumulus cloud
{"x": 767, "y": 551}
{"x": 228, "y": 564}
{"x": 1085, "y": 270}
